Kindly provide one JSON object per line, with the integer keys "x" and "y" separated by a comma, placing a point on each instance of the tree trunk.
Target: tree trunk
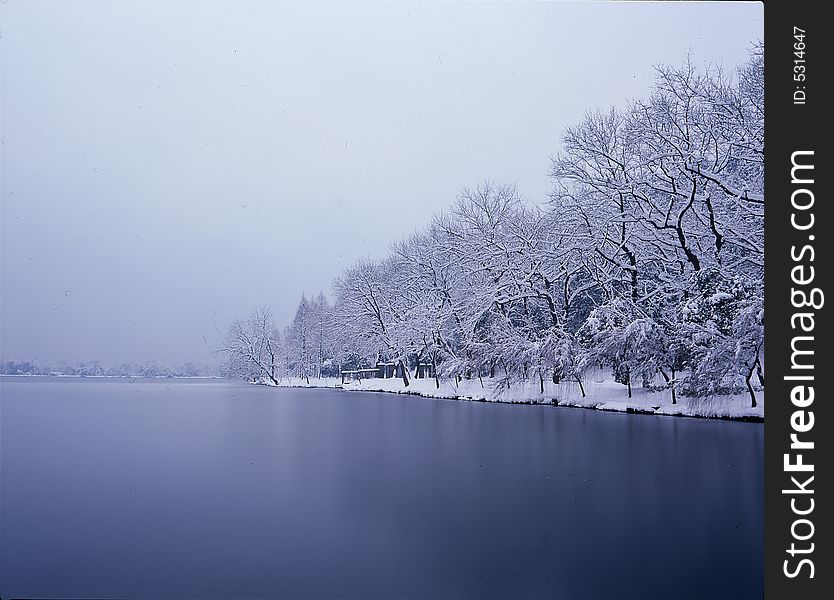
{"x": 628, "y": 383}
{"x": 750, "y": 388}
{"x": 541, "y": 384}
{"x": 759, "y": 371}
{"x": 670, "y": 382}
{"x": 581, "y": 387}
{"x": 404, "y": 373}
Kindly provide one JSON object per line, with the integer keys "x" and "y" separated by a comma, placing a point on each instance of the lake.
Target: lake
{"x": 206, "y": 489}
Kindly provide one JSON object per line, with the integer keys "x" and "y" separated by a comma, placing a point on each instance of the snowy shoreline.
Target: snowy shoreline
{"x": 600, "y": 395}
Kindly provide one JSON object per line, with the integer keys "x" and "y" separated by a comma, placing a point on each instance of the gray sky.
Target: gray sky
{"x": 167, "y": 167}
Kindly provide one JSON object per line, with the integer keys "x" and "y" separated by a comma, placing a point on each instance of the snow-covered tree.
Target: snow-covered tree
{"x": 633, "y": 344}
{"x": 646, "y": 258}
{"x": 253, "y": 347}
{"x": 722, "y": 327}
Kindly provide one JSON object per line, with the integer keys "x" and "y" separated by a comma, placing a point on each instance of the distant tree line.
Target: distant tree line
{"x": 646, "y": 259}
{"x": 97, "y": 369}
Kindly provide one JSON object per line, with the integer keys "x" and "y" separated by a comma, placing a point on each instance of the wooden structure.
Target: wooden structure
{"x": 359, "y": 375}
{"x": 385, "y": 370}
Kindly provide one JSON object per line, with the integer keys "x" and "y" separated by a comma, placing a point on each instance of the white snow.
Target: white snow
{"x": 601, "y": 393}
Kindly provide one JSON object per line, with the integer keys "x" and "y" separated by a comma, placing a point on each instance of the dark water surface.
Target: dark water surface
{"x": 112, "y": 488}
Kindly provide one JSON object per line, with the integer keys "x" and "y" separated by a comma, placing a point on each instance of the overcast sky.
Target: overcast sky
{"x": 167, "y": 167}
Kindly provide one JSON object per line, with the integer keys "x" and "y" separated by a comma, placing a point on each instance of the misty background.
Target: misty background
{"x": 167, "y": 168}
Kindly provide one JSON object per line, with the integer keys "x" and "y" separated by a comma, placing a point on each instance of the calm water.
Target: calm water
{"x": 211, "y": 489}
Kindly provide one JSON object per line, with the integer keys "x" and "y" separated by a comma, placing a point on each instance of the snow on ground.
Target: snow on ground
{"x": 324, "y": 382}
{"x": 601, "y": 393}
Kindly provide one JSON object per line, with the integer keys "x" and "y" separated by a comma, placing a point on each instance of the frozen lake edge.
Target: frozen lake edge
{"x": 726, "y": 408}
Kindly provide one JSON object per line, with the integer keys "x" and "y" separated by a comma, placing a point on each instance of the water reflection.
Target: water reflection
{"x": 119, "y": 489}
